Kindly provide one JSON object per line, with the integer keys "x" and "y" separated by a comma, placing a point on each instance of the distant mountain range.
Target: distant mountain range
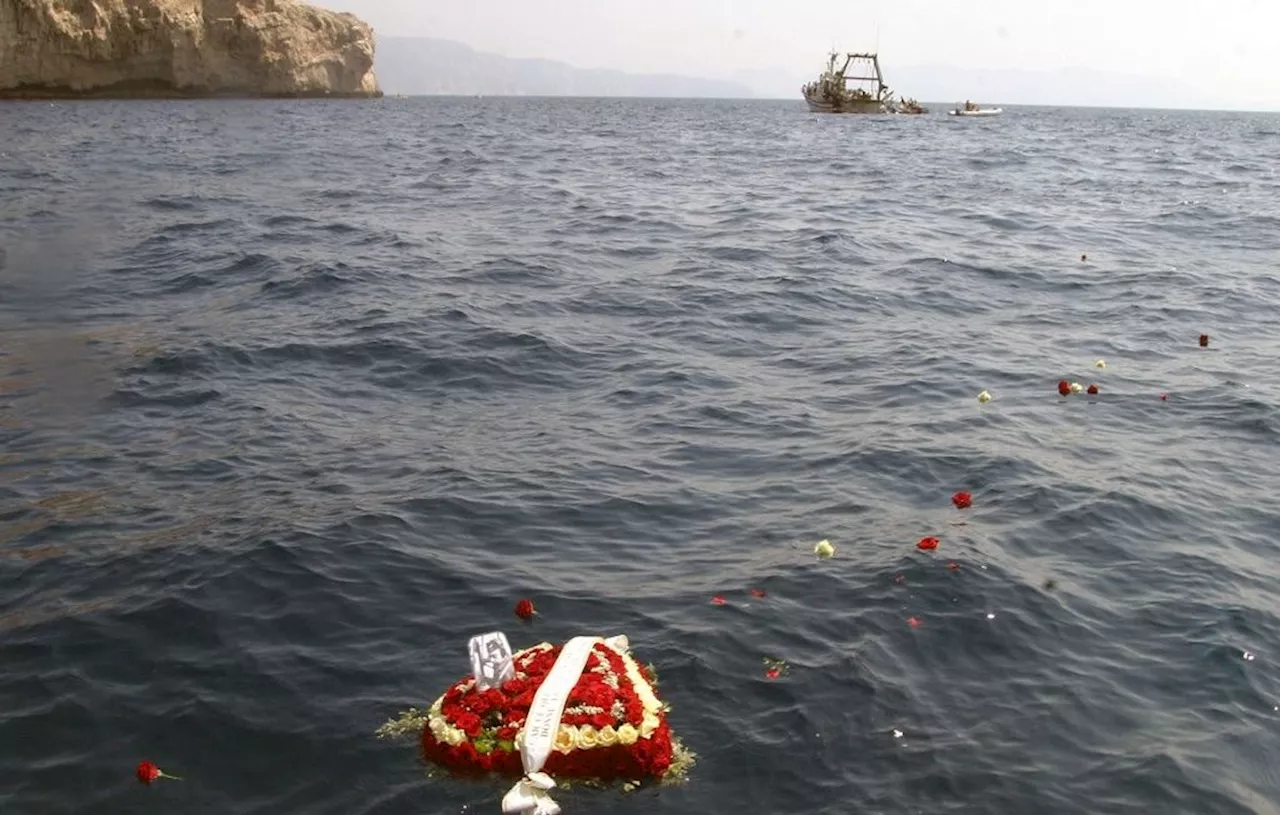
{"x": 424, "y": 66}
{"x": 421, "y": 66}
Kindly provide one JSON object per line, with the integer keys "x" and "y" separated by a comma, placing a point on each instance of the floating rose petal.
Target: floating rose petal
{"x": 899, "y": 578}
{"x": 928, "y": 543}
{"x": 1064, "y": 387}
{"x": 757, "y": 593}
{"x": 952, "y": 565}
{"x": 718, "y": 600}
{"x": 962, "y": 500}
{"x": 914, "y": 622}
{"x": 1093, "y": 390}
{"x": 525, "y": 610}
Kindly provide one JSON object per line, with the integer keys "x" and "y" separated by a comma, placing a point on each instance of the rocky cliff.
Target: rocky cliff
{"x": 182, "y": 48}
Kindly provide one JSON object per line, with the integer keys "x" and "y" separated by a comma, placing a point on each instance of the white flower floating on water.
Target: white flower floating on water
{"x": 823, "y": 548}
{"x": 897, "y": 734}
{"x": 984, "y": 397}
{"x": 1102, "y": 363}
{"x": 991, "y": 615}
{"x": 1248, "y": 657}
{"x": 1076, "y": 387}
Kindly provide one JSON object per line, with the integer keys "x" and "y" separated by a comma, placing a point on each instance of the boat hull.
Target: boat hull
{"x": 818, "y": 105}
{"x": 989, "y": 112}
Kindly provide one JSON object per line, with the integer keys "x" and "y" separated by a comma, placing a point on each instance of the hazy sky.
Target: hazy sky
{"x": 1213, "y": 46}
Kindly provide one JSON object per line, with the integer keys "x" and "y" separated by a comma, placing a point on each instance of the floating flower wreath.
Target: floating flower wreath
{"x": 613, "y": 727}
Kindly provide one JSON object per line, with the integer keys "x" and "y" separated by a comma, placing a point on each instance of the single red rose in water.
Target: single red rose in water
{"x": 147, "y": 772}
{"x": 952, "y": 565}
{"x": 914, "y": 622}
{"x": 772, "y": 673}
{"x": 928, "y": 543}
{"x": 1204, "y": 340}
{"x": 962, "y": 500}
{"x": 1064, "y": 387}
{"x": 899, "y": 578}
{"x": 718, "y": 600}
{"x": 1164, "y": 397}
{"x": 1093, "y": 390}
{"x": 525, "y": 610}
{"x": 757, "y": 593}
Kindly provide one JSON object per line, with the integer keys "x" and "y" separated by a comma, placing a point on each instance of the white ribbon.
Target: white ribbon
{"x": 530, "y": 794}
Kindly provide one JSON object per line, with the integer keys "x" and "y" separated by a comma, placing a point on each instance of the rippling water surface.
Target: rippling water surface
{"x": 295, "y": 397}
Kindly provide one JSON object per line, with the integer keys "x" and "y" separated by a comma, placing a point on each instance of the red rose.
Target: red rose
{"x": 962, "y": 500}
{"x": 635, "y": 711}
{"x": 1204, "y": 340}
{"x": 147, "y": 772}
{"x": 524, "y": 609}
{"x": 466, "y": 752}
{"x": 1064, "y": 387}
{"x": 469, "y": 723}
{"x": 515, "y": 686}
{"x": 507, "y": 733}
{"x": 928, "y": 543}
{"x": 1093, "y": 390}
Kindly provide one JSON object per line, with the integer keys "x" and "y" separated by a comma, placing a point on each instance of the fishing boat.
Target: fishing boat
{"x": 970, "y": 109}
{"x": 830, "y": 92}
{"x": 910, "y": 107}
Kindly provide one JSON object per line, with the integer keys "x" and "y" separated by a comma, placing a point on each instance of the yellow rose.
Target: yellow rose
{"x": 627, "y": 735}
{"x": 565, "y": 739}
{"x": 607, "y": 736}
{"x": 586, "y": 738}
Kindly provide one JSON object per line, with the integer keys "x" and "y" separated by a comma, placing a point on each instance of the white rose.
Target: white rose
{"x": 566, "y": 737}
{"x": 627, "y": 735}
{"x": 607, "y": 736}
{"x": 587, "y": 738}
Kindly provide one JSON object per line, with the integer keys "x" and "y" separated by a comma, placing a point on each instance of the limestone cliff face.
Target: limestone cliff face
{"x": 122, "y": 48}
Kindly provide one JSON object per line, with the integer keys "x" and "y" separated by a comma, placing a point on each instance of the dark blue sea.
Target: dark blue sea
{"x": 295, "y": 397}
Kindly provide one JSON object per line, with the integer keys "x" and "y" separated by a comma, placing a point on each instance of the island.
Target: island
{"x": 73, "y": 49}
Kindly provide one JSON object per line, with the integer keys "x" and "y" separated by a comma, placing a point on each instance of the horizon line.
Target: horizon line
{"x": 799, "y": 102}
